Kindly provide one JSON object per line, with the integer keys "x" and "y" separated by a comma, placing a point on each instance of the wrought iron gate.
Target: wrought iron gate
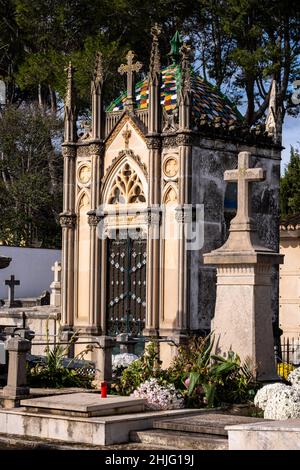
{"x": 126, "y": 286}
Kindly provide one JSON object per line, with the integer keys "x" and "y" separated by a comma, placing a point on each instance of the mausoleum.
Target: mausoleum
{"x": 145, "y": 198}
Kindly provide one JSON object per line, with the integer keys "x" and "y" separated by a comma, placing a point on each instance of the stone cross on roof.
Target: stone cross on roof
{"x": 11, "y": 283}
{"x": 129, "y": 69}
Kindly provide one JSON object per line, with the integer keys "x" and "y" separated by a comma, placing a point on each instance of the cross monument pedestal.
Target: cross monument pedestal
{"x": 243, "y": 314}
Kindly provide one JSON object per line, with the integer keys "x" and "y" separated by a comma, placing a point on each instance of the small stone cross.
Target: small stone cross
{"x": 130, "y": 68}
{"x": 126, "y": 134}
{"x": 56, "y": 268}
{"x": 11, "y": 283}
{"x": 243, "y": 176}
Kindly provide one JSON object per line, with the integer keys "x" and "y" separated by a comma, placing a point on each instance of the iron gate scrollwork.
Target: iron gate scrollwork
{"x": 126, "y": 306}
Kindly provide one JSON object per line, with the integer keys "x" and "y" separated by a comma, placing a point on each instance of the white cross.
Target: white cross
{"x": 56, "y": 268}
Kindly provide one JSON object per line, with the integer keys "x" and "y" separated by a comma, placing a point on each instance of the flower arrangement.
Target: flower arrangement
{"x": 159, "y": 397}
{"x": 294, "y": 377}
{"x": 120, "y": 361}
{"x": 283, "y": 369}
{"x": 280, "y": 401}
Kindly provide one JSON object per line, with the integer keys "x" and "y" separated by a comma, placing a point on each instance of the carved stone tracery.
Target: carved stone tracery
{"x": 127, "y": 187}
{"x": 122, "y": 154}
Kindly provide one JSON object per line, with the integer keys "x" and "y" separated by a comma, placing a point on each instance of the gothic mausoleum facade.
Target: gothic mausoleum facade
{"x": 145, "y": 198}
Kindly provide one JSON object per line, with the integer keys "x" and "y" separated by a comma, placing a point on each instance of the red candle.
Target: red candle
{"x": 103, "y": 389}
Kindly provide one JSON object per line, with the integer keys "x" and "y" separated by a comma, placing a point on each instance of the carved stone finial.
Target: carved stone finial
{"x": 98, "y": 72}
{"x": 129, "y": 69}
{"x": 155, "y": 55}
{"x": 174, "y": 53}
{"x": 70, "y": 118}
{"x": 274, "y": 117}
{"x": 186, "y": 53}
{"x": 70, "y": 86}
{"x": 97, "y": 130}
{"x": 185, "y": 88}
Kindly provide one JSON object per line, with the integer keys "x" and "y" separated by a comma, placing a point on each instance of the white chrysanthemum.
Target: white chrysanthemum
{"x": 159, "y": 397}
{"x": 122, "y": 360}
{"x": 265, "y": 393}
{"x": 294, "y": 377}
{"x": 283, "y": 404}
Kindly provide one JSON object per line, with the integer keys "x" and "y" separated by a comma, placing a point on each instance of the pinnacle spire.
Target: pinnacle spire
{"x": 274, "y": 118}
{"x": 155, "y": 55}
{"x": 70, "y": 118}
{"x": 97, "y": 101}
{"x": 98, "y": 72}
{"x": 176, "y": 43}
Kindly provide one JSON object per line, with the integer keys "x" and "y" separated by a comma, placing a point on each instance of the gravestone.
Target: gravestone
{"x": 11, "y": 283}
{"x": 243, "y": 315}
{"x": 55, "y": 298}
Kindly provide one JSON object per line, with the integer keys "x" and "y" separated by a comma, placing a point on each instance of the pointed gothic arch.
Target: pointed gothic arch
{"x": 125, "y": 183}
{"x": 82, "y": 199}
{"x": 170, "y": 195}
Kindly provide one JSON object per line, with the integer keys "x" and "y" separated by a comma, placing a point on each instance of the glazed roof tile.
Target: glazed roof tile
{"x": 206, "y": 100}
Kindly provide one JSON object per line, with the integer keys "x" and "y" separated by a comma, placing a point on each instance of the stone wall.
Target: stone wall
{"x": 37, "y": 319}
{"x": 210, "y": 158}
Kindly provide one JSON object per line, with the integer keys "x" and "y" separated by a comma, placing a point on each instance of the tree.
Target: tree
{"x": 244, "y": 44}
{"x": 290, "y": 186}
{"x": 30, "y": 177}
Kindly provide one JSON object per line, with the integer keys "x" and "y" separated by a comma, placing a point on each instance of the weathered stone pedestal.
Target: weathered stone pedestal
{"x": 103, "y": 359}
{"x": 243, "y": 315}
{"x": 16, "y": 387}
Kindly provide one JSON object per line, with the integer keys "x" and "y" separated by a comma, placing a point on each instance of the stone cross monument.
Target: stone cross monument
{"x": 243, "y": 316}
{"x": 129, "y": 69}
{"x": 55, "y": 298}
{"x": 11, "y": 283}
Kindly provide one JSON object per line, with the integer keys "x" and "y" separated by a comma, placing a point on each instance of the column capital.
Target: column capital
{"x": 67, "y": 219}
{"x": 96, "y": 148}
{"x": 153, "y": 216}
{"x": 69, "y": 151}
{"x": 184, "y": 138}
{"x": 153, "y": 141}
{"x": 93, "y": 218}
{"x": 185, "y": 214}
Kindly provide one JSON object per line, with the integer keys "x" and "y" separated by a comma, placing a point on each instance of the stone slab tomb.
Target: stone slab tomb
{"x": 84, "y": 405}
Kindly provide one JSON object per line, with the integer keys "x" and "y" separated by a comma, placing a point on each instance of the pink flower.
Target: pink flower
{"x": 187, "y": 382}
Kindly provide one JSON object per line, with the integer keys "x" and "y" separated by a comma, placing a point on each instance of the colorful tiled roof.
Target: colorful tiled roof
{"x": 206, "y": 100}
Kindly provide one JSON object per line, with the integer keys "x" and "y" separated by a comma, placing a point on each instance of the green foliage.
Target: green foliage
{"x": 53, "y": 373}
{"x": 205, "y": 380}
{"x": 146, "y": 367}
{"x": 215, "y": 380}
{"x": 239, "y": 45}
{"x": 290, "y": 186}
{"x": 30, "y": 177}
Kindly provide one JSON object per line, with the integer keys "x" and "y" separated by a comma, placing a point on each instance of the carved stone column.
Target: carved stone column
{"x": 96, "y": 150}
{"x": 153, "y": 271}
{"x": 68, "y": 222}
{"x": 153, "y": 216}
{"x": 183, "y": 216}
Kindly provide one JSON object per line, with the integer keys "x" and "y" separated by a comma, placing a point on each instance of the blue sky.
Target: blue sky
{"x": 290, "y": 136}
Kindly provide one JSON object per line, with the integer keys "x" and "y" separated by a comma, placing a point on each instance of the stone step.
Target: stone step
{"x": 178, "y": 440}
{"x": 204, "y": 423}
